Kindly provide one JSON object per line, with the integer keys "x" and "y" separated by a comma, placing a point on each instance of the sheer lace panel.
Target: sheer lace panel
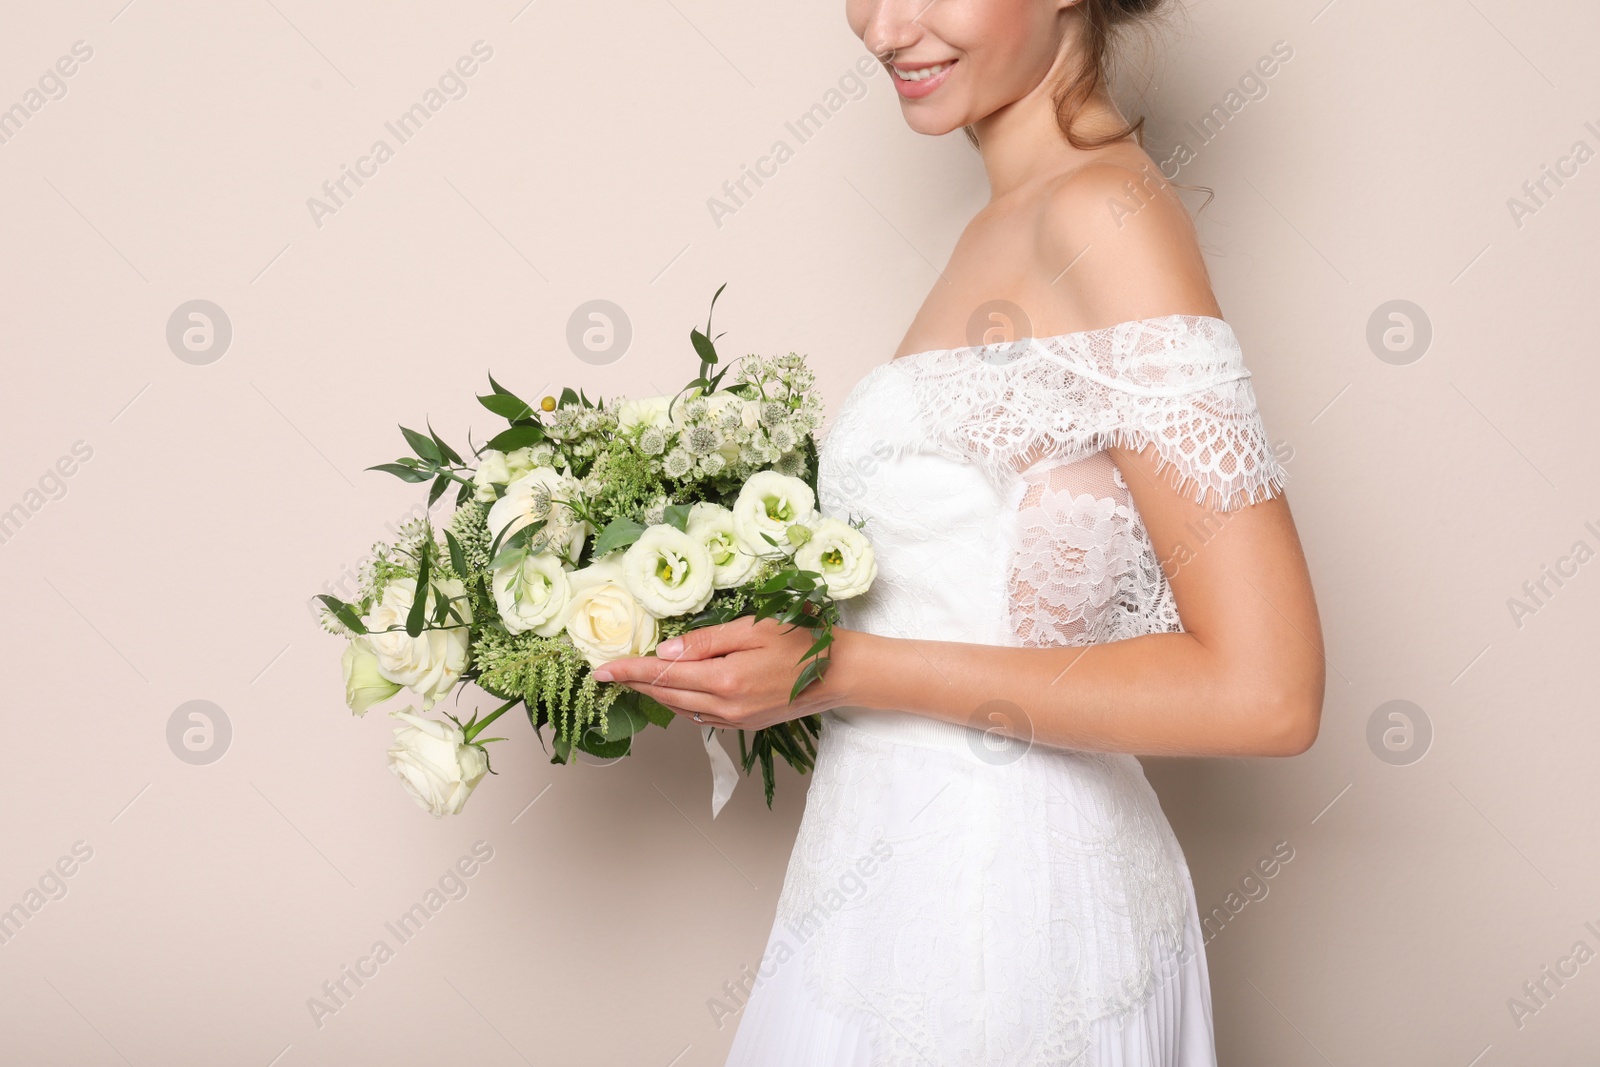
{"x": 1083, "y": 570}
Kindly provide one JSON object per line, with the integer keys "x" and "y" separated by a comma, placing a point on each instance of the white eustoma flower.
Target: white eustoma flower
{"x": 492, "y": 469}
{"x": 536, "y": 495}
{"x": 604, "y": 620}
{"x": 364, "y": 683}
{"x": 712, "y": 526}
{"x": 532, "y": 594}
{"x": 668, "y": 571}
{"x": 435, "y": 764}
{"x": 842, "y": 555}
{"x": 649, "y": 411}
{"x": 768, "y": 505}
{"x": 430, "y": 663}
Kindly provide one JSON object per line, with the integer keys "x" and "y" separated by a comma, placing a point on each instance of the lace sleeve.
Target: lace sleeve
{"x": 1177, "y": 384}
{"x": 1083, "y": 571}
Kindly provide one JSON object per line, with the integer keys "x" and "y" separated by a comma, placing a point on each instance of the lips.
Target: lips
{"x": 917, "y": 80}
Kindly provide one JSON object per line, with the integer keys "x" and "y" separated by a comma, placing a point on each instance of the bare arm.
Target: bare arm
{"x": 1244, "y": 678}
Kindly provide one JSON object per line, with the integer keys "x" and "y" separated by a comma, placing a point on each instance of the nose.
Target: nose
{"x": 891, "y": 25}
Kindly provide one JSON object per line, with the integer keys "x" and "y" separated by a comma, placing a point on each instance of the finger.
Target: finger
{"x": 708, "y": 641}
{"x": 680, "y": 701}
{"x": 702, "y": 676}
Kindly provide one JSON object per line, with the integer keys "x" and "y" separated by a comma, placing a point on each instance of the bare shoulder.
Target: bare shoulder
{"x": 1115, "y": 243}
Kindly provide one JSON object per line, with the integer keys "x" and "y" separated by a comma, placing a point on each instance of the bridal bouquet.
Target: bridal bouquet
{"x": 589, "y": 530}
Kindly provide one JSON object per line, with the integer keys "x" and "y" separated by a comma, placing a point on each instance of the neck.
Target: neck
{"x": 1022, "y": 141}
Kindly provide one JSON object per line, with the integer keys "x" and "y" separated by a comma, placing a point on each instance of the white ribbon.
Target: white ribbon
{"x": 723, "y": 775}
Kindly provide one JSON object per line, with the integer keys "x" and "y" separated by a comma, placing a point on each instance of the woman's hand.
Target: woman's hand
{"x": 737, "y": 674}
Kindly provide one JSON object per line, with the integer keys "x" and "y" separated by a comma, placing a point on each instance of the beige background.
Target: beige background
{"x": 175, "y": 567}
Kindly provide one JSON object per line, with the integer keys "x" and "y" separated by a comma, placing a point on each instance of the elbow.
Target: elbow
{"x": 1288, "y": 722}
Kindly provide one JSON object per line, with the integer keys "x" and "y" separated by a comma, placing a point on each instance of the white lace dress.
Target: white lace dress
{"x": 955, "y": 898}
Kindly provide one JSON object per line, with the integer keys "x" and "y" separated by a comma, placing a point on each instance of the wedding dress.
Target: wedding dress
{"x": 955, "y": 897}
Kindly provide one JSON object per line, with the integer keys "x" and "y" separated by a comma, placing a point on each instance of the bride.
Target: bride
{"x": 1084, "y": 555}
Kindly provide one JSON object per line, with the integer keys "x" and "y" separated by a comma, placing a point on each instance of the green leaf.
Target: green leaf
{"x": 419, "y": 603}
{"x": 516, "y": 546}
{"x": 404, "y": 473}
{"x": 677, "y": 515}
{"x": 703, "y": 346}
{"x": 623, "y": 721}
{"x": 440, "y": 484}
{"x": 343, "y": 612}
{"x": 619, "y": 533}
{"x": 465, "y": 493}
{"x": 596, "y": 745}
{"x": 449, "y": 453}
{"x": 568, "y": 397}
{"x": 422, "y": 445}
{"x": 517, "y": 437}
{"x": 654, "y": 710}
{"x": 497, "y": 387}
{"x": 458, "y": 559}
{"x": 507, "y": 406}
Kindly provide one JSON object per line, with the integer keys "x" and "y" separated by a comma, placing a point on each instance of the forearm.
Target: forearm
{"x": 1162, "y": 694}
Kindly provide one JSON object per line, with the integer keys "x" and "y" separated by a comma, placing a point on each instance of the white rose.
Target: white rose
{"x": 842, "y": 555}
{"x": 769, "y": 504}
{"x": 668, "y": 571}
{"x": 492, "y": 469}
{"x": 430, "y": 663}
{"x": 523, "y": 460}
{"x": 650, "y": 411}
{"x": 712, "y": 526}
{"x": 532, "y": 594}
{"x": 533, "y": 496}
{"x": 604, "y": 620}
{"x": 434, "y": 763}
{"x": 364, "y": 683}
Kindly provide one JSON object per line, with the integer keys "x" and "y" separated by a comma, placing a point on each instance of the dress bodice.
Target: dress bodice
{"x": 995, "y": 511}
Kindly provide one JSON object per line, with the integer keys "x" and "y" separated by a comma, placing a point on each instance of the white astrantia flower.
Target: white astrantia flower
{"x": 767, "y": 506}
{"x": 532, "y": 593}
{"x": 430, "y": 663}
{"x": 712, "y": 526}
{"x": 669, "y": 572}
{"x": 435, "y": 763}
{"x": 604, "y": 620}
{"x": 677, "y": 463}
{"x": 841, "y": 554}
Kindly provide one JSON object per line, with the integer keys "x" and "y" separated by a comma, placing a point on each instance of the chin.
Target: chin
{"x": 932, "y": 125}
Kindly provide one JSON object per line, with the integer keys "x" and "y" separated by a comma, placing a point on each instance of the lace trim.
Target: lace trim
{"x": 1176, "y": 383}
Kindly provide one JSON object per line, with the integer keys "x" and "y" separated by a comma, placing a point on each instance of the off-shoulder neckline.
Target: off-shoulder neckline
{"x": 1030, "y": 341}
